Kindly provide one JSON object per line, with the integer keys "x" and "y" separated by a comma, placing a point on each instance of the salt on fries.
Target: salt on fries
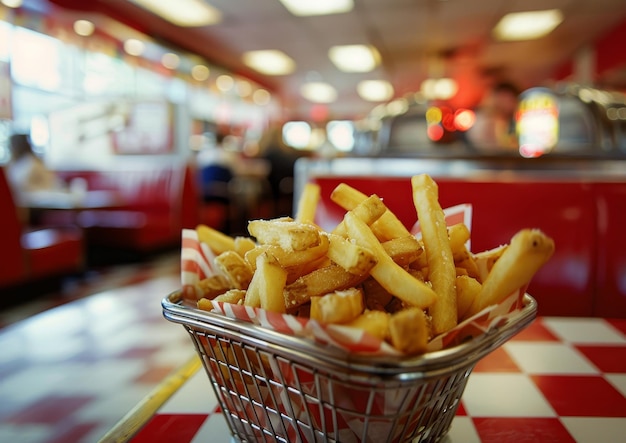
{"x": 369, "y": 272}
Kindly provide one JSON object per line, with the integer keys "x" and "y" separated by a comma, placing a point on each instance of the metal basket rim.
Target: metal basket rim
{"x": 448, "y": 359}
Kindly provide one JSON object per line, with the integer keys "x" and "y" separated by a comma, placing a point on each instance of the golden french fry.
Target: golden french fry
{"x": 403, "y": 250}
{"x": 459, "y": 234}
{"x": 214, "y": 239}
{"x": 213, "y": 286}
{"x": 234, "y": 296}
{"x": 467, "y": 289}
{"x": 368, "y": 210}
{"x": 235, "y": 269}
{"x": 387, "y": 227}
{"x": 297, "y": 263}
{"x": 441, "y": 269}
{"x": 528, "y": 251}
{"x": 290, "y": 258}
{"x": 286, "y": 233}
{"x": 350, "y": 256}
{"x": 338, "y": 306}
{"x": 319, "y": 282}
{"x": 409, "y": 331}
{"x": 487, "y": 259}
{"x": 251, "y": 255}
{"x": 267, "y": 285}
{"x": 307, "y": 203}
{"x": 243, "y": 245}
{"x": 375, "y": 323}
{"x": 389, "y": 274}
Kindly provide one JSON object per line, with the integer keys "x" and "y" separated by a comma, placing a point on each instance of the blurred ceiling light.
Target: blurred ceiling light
{"x": 200, "y": 73}
{"x": 439, "y": 88}
{"x": 12, "y": 3}
{"x": 317, "y": 7}
{"x": 354, "y": 58}
{"x": 84, "y": 27}
{"x": 527, "y": 25}
{"x": 318, "y": 92}
{"x": 170, "y": 60}
{"x": 187, "y": 13}
{"x": 132, "y": 46}
{"x": 225, "y": 82}
{"x": 261, "y": 97}
{"x": 375, "y": 90}
{"x": 269, "y": 62}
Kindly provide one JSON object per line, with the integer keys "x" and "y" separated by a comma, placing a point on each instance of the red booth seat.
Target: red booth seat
{"x": 580, "y": 205}
{"x": 154, "y": 202}
{"x": 31, "y": 254}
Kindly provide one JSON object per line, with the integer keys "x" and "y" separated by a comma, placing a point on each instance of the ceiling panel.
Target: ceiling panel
{"x": 415, "y": 38}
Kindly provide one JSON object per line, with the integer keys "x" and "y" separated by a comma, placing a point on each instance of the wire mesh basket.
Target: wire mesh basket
{"x": 276, "y": 387}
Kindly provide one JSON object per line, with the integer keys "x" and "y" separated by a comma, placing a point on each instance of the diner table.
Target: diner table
{"x": 562, "y": 379}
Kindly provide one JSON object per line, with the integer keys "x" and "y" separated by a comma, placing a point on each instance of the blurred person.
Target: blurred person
{"x": 494, "y": 129}
{"x": 282, "y": 160}
{"x": 215, "y": 169}
{"x": 27, "y": 171}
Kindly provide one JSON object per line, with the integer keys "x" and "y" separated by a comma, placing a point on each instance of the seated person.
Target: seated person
{"x": 27, "y": 172}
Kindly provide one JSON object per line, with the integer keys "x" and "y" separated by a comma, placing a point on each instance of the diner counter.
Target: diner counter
{"x": 562, "y": 379}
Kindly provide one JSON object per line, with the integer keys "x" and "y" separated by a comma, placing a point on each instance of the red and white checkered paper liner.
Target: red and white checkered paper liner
{"x": 197, "y": 263}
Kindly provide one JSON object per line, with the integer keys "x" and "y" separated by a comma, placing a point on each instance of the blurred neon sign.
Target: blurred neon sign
{"x": 537, "y": 122}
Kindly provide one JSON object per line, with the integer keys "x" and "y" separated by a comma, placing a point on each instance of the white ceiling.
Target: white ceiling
{"x": 411, "y": 35}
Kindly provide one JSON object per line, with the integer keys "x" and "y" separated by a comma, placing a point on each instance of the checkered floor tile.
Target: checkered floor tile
{"x": 70, "y": 373}
{"x": 560, "y": 380}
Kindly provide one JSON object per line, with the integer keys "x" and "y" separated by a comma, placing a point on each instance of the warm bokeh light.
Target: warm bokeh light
{"x": 261, "y": 97}
{"x": 224, "y": 83}
{"x": 84, "y": 28}
{"x": 170, "y": 60}
{"x": 435, "y": 132}
{"x": 12, "y": 3}
{"x": 318, "y": 92}
{"x": 269, "y": 62}
{"x": 200, "y": 73}
{"x": 317, "y": 7}
{"x": 375, "y": 90}
{"x": 341, "y": 134}
{"x": 297, "y": 134}
{"x": 183, "y": 12}
{"x": 527, "y": 25}
{"x": 135, "y": 47}
{"x": 464, "y": 119}
{"x": 354, "y": 58}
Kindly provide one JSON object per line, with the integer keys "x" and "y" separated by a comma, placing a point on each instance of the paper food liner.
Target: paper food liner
{"x": 197, "y": 263}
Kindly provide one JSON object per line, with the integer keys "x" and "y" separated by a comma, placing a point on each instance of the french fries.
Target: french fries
{"x": 528, "y": 251}
{"x": 369, "y": 272}
{"x": 441, "y": 269}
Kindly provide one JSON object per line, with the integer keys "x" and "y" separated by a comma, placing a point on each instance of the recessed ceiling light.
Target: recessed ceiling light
{"x": 527, "y": 25}
{"x": 375, "y": 90}
{"x": 269, "y": 62}
{"x": 354, "y": 58}
{"x": 12, "y": 3}
{"x": 187, "y": 13}
{"x": 318, "y": 92}
{"x": 317, "y": 7}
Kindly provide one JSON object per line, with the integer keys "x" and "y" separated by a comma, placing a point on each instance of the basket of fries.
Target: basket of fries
{"x": 365, "y": 333}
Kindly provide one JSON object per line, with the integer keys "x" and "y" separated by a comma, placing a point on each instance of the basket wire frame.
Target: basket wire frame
{"x": 275, "y": 387}
{"x": 264, "y": 398}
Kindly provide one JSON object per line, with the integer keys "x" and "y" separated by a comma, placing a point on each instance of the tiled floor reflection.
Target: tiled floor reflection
{"x": 70, "y": 371}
